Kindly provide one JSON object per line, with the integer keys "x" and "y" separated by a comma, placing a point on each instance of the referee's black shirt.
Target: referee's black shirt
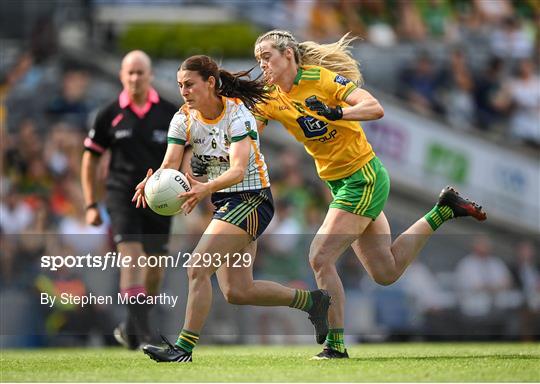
{"x": 136, "y": 136}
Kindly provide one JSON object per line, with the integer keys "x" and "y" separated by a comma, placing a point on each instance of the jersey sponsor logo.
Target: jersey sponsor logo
{"x": 210, "y": 158}
{"x": 299, "y": 107}
{"x": 341, "y": 80}
{"x": 323, "y": 139}
{"x": 312, "y": 127}
{"x": 199, "y": 140}
{"x": 159, "y": 136}
{"x": 283, "y": 107}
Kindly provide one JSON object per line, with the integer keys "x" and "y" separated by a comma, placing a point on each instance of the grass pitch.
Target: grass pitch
{"x": 501, "y": 362}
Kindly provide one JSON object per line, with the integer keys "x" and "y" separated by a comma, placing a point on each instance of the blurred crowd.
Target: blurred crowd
{"x": 474, "y": 63}
{"x": 47, "y": 103}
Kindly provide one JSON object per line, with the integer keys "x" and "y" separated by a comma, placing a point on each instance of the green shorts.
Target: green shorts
{"x": 364, "y": 192}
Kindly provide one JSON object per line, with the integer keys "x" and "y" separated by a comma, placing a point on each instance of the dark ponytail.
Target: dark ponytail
{"x": 250, "y": 92}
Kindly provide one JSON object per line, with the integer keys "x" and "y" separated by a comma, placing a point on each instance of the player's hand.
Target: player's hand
{"x": 324, "y": 110}
{"x": 198, "y": 192}
{"x": 198, "y": 166}
{"x": 138, "y": 197}
{"x": 93, "y": 217}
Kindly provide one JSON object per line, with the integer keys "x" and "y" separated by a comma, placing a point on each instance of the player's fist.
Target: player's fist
{"x": 93, "y": 217}
{"x": 324, "y": 110}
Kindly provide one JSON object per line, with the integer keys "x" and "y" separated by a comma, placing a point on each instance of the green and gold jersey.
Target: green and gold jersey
{"x": 340, "y": 147}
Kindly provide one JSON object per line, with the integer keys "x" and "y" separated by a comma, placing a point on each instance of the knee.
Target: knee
{"x": 384, "y": 279}
{"x": 236, "y": 296}
{"x": 195, "y": 274}
{"x": 319, "y": 260}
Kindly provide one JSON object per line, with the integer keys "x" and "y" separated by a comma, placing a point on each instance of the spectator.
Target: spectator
{"x": 510, "y": 39}
{"x": 489, "y": 98}
{"x": 71, "y": 105}
{"x": 527, "y": 277}
{"x": 325, "y": 23}
{"x": 410, "y": 24}
{"x": 493, "y": 11}
{"x": 483, "y": 281}
{"x": 434, "y": 306}
{"x": 419, "y": 86}
{"x": 369, "y": 19}
{"x": 437, "y": 16}
{"x": 15, "y": 214}
{"x": 524, "y": 91}
{"x": 458, "y": 86}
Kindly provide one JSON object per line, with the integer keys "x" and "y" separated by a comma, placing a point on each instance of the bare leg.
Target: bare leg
{"x": 385, "y": 261}
{"x": 200, "y": 287}
{"x": 338, "y": 231}
{"x": 131, "y": 276}
{"x": 238, "y": 286}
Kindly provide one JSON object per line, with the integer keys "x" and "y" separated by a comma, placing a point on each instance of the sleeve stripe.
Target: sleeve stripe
{"x": 349, "y": 91}
{"x": 251, "y": 134}
{"x": 234, "y": 139}
{"x": 89, "y": 144}
{"x": 174, "y": 140}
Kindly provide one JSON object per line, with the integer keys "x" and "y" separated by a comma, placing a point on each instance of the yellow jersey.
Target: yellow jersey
{"x": 340, "y": 147}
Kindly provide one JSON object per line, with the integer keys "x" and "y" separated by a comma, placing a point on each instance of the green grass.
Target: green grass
{"x": 501, "y": 362}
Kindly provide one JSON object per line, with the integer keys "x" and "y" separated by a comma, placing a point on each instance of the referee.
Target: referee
{"x": 134, "y": 128}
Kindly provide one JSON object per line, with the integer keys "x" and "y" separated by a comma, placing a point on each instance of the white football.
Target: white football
{"x": 162, "y": 190}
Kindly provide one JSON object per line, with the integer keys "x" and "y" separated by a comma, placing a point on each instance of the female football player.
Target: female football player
{"x": 216, "y": 121}
{"x": 315, "y": 94}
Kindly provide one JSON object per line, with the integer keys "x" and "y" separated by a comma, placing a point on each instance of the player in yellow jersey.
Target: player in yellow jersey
{"x": 315, "y": 94}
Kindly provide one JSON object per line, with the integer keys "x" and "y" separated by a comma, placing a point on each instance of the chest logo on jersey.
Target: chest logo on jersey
{"x": 199, "y": 140}
{"x": 159, "y": 136}
{"x": 122, "y": 133}
{"x": 299, "y": 107}
{"x": 312, "y": 127}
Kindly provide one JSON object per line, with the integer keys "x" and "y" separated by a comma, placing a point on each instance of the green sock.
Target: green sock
{"x": 334, "y": 339}
{"x": 302, "y": 300}
{"x": 438, "y": 215}
{"x": 187, "y": 340}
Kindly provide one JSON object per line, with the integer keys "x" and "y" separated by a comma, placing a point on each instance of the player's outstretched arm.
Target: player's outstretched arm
{"x": 363, "y": 106}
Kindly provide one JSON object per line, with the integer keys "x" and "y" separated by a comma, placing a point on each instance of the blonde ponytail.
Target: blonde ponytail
{"x": 335, "y": 57}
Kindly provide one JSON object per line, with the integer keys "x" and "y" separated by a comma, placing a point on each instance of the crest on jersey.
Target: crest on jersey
{"x": 341, "y": 80}
{"x": 248, "y": 125}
